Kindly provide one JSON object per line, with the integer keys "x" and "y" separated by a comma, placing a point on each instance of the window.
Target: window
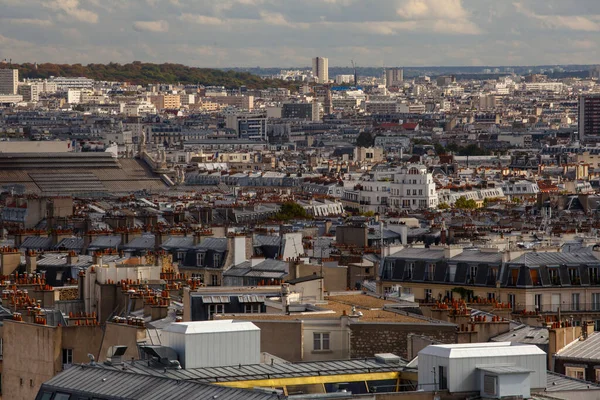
{"x": 253, "y": 308}
{"x": 180, "y": 255}
{"x": 574, "y": 276}
{"x": 491, "y": 296}
{"x": 320, "y": 341}
{"x": 537, "y": 299}
{"x": 553, "y": 272}
{"x": 451, "y": 273}
{"x": 407, "y": 290}
{"x": 430, "y": 272}
{"x": 420, "y": 192}
{"x": 575, "y": 302}
{"x": 214, "y": 280}
{"x": 472, "y": 273}
{"x": 493, "y": 275}
{"x": 215, "y": 309}
{"x": 409, "y": 270}
{"x": 427, "y": 295}
{"x": 514, "y": 276}
{"x": 595, "y": 301}
{"x": 217, "y": 260}
{"x": 448, "y": 295}
{"x": 594, "y": 276}
{"x": 67, "y": 357}
{"x": 408, "y": 192}
{"x": 511, "y": 300}
{"x": 62, "y": 396}
{"x": 576, "y": 372}
{"x": 200, "y": 259}
{"x": 535, "y": 276}
{"x": 597, "y": 371}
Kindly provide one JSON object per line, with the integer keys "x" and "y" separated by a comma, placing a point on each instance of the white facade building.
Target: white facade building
{"x": 413, "y": 189}
{"x": 496, "y": 370}
{"x": 65, "y": 84}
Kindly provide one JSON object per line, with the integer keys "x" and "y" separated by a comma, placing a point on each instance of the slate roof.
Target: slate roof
{"x": 267, "y": 240}
{"x": 554, "y": 258}
{"x": 102, "y": 383}
{"x": 178, "y": 242}
{"x": 70, "y": 244}
{"x": 524, "y": 334}
{"x": 108, "y": 241}
{"x": 36, "y": 243}
{"x": 142, "y": 242}
{"x": 211, "y": 243}
{"x": 478, "y": 256}
{"x": 414, "y": 253}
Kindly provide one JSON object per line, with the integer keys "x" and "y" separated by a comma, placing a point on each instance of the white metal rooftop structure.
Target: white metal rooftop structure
{"x": 492, "y": 349}
{"x": 457, "y": 367}
{"x": 226, "y": 325}
{"x": 213, "y": 343}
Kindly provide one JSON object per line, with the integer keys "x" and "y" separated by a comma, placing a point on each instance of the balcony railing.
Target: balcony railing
{"x": 564, "y": 308}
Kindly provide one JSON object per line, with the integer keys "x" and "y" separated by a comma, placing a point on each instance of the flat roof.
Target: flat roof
{"x": 475, "y": 350}
{"x": 504, "y": 369}
{"x": 216, "y": 326}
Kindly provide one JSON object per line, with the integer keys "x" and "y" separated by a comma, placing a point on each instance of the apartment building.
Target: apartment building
{"x": 413, "y": 188}
{"x": 537, "y": 283}
{"x": 9, "y": 81}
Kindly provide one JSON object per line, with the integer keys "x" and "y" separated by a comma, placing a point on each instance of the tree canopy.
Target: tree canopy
{"x": 291, "y": 210}
{"x": 145, "y": 73}
{"x": 365, "y": 139}
{"x": 465, "y": 204}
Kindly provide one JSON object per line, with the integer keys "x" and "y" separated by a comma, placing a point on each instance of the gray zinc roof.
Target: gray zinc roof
{"x": 70, "y": 244}
{"x": 562, "y": 383}
{"x": 588, "y": 349}
{"x": 142, "y": 242}
{"x": 103, "y": 383}
{"x": 414, "y": 253}
{"x": 35, "y": 243}
{"x": 210, "y": 243}
{"x": 524, "y": 334}
{"x": 478, "y": 256}
{"x": 553, "y": 258}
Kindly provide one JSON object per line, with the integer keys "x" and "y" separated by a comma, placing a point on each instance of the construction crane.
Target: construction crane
{"x": 355, "y": 76}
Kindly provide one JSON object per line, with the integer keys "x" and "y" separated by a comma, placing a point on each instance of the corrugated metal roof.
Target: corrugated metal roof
{"x": 262, "y": 371}
{"x": 588, "y": 349}
{"x": 35, "y": 243}
{"x": 562, "y": 383}
{"x": 113, "y": 383}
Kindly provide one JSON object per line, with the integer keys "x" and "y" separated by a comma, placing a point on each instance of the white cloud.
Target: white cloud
{"x": 71, "y": 9}
{"x": 151, "y": 26}
{"x": 445, "y": 16}
{"x": 201, "y": 19}
{"x": 28, "y": 21}
{"x": 570, "y": 22}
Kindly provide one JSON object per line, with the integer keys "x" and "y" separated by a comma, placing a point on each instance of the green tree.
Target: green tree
{"x": 291, "y": 210}
{"x": 365, "y": 139}
{"x": 443, "y": 206}
{"x": 439, "y": 149}
{"x": 464, "y": 204}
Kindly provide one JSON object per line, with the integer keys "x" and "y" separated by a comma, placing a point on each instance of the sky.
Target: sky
{"x": 286, "y": 33}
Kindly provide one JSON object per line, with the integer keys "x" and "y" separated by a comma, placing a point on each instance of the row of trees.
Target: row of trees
{"x": 145, "y": 73}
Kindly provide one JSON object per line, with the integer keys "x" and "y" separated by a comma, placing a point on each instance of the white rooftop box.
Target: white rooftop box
{"x": 213, "y": 343}
{"x": 462, "y": 367}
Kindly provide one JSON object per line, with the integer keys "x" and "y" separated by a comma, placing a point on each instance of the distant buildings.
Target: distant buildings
{"x": 9, "y": 81}
{"x": 589, "y": 116}
{"x": 321, "y": 69}
{"x": 394, "y": 76}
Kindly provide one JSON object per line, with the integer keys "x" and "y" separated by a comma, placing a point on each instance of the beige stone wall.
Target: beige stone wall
{"x": 32, "y": 355}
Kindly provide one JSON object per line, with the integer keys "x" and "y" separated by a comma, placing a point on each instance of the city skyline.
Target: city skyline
{"x": 242, "y": 33}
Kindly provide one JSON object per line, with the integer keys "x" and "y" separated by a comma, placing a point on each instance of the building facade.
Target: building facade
{"x": 321, "y": 69}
